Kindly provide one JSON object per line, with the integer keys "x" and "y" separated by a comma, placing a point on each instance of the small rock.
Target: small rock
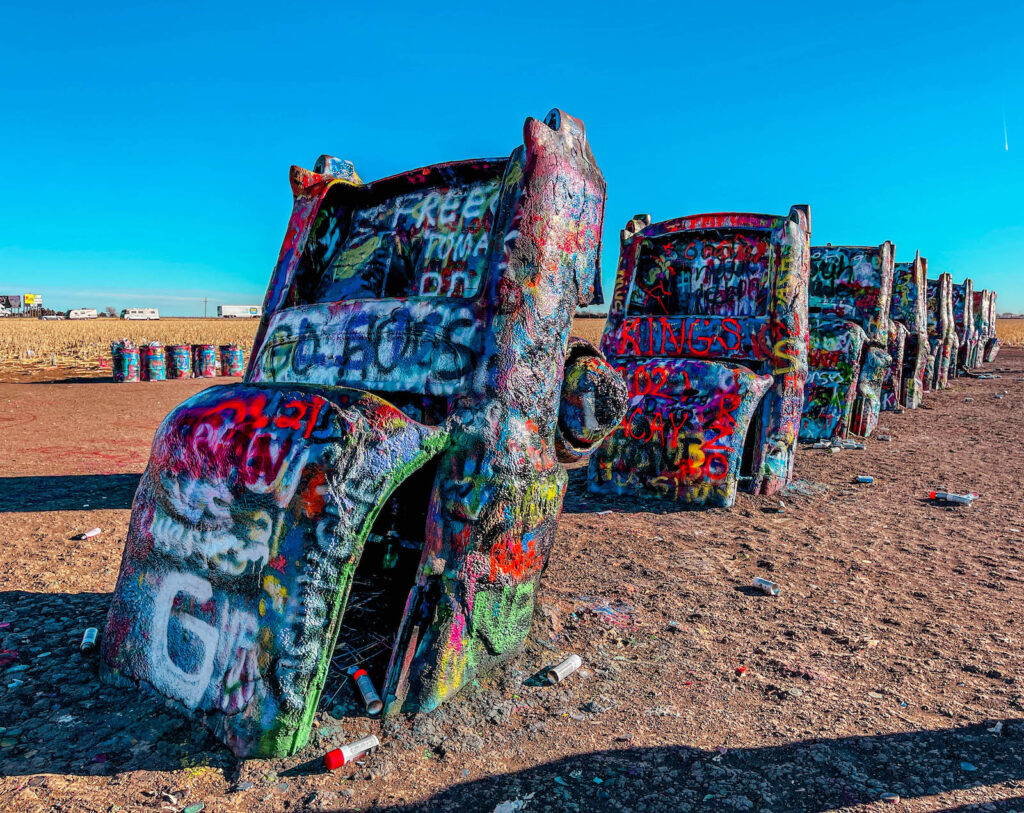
{"x": 245, "y": 786}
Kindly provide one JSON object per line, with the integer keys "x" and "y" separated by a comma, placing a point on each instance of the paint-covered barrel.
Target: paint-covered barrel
{"x": 125, "y": 363}
{"x": 204, "y": 360}
{"x": 231, "y": 360}
{"x": 151, "y": 363}
{"x": 179, "y": 360}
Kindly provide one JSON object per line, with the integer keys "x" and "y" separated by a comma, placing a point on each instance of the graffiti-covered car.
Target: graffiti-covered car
{"x": 992, "y": 344}
{"x": 708, "y": 326}
{"x": 850, "y": 292}
{"x": 941, "y": 335}
{"x": 399, "y": 442}
{"x": 910, "y": 309}
{"x": 963, "y": 323}
{"x": 982, "y": 305}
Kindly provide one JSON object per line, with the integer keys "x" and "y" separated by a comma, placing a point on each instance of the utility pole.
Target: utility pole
{"x": 204, "y": 307}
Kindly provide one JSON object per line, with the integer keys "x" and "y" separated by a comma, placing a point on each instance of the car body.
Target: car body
{"x": 410, "y": 404}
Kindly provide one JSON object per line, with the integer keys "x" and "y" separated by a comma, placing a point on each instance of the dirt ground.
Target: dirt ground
{"x": 891, "y": 661}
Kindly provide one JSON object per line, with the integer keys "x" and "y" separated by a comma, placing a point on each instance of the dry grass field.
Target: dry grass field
{"x": 1010, "y": 332}
{"x": 86, "y": 343}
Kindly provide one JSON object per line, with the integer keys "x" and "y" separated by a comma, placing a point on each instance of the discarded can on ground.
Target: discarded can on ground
{"x": 821, "y": 444}
{"x": 89, "y": 534}
{"x": 558, "y": 673}
{"x": 852, "y": 444}
{"x": 766, "y": 586}
{"x": 231, "y": 360}
{"x": 959, "y": 499}
{"x": 883, "y": 438}
{"x": 89, "y": 640}
{"x": 152, "y": 366}
{"x": 350, "y": 753}
{"x": 865, "y": 478}
{"x": 371, "y": 700}
{"x": 204, "y": 360}
{"x": 178, "y": 360}
{"x": 124, "y": 361}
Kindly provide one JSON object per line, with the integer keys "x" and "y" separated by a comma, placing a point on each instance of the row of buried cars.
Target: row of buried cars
{"x": 379, "y": 495}
{"x": 737, "y": 339}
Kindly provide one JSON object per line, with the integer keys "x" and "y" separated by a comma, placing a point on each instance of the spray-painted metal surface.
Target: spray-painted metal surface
{"x": 982, "y": 302}
{"x": 231, "y": 360}
{"x": 449, "y": 292}
{"x": 963, "y": 322}
{"x": 910, "y": 309}
{"x": 124, "y": 361}
{"x": 940, "y": 330}
{"x": 850, "y": 295}
{"x": 204, "y": 360}
{"x": 152, "y": 366}
{"x": 178, "y": 359}
{"x": 708, "y": 326}
{"x": 993, "y": 343}
{"x": 892, "y": 382}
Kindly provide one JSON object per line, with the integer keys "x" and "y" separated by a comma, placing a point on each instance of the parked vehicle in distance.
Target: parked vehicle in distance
{"x": 4, "y": 311}
{"x": 83, "y": 313}
{"x": 239, "y": 311}
{"x": 51, "y": 317}
{"x": 140, "y": 313}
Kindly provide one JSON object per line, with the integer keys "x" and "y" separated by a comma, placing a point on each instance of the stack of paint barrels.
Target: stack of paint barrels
{"x": 154, "y": 362}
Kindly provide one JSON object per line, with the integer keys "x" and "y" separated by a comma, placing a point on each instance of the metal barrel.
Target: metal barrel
{"x": 179, "y": 361}
{"x": 125, "y": 363}
{"x": 152, "y": 364}
{"x": 231, "y": 360}
{"x": 204, "y": 360}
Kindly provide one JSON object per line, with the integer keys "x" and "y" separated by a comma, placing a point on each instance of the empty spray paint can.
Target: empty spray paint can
{"x": 231, "y": 360}
{"x": 852, "y": 444}
{"x": 865, "y": 478}
{"x": 959, "y": 499}
{"x": 89, "y": 640}
{"x": 204, "y": 360}
{"x": 371, "y": 700}
{"x": 350, "y": 753}
{"x": 89, "y": 534}
{"x": 179, "y": 361}
{"x": 152, "y": 366}
{"x": 558, "y": 673}
{"x": 765, "y": 586}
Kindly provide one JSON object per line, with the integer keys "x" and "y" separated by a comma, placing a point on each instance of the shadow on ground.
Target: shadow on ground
{"x": 57, "y": 718}
{"x": 73, "y": 492}
{"x": 806, "y": 776}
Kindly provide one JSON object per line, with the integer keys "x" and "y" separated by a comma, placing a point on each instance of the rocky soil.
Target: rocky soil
{"x": 890, "y": 665}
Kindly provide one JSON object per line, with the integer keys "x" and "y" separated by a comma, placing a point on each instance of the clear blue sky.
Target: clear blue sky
{"x": 144, "y": 154}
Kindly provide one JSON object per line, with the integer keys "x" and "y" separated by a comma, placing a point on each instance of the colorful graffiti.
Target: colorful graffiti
{"x": 910, "y": 309}
{"x": 445, "y": 295}
{"x": 941, "y": 335}
{"x": 892, "y": 382}
{"x": 708, "y": 326}
{"x": 850, "y": 295}
{"x": 993, "y": 343}
{"x": 963, "y": 323}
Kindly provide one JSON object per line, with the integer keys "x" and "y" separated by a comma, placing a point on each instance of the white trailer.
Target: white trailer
{"x": 83, "y": 313}
{"x": 140, "y": 313}
{"x": 239, "y": 311}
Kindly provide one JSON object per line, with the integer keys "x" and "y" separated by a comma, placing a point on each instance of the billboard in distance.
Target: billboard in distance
{"x": 10, "y": 301}
{"x": 33, "y": 300}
